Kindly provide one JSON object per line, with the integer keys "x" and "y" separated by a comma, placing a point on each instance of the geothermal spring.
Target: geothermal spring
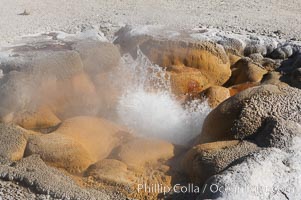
{"x": 149, "y": 107}
{"x": 151, "y": 113}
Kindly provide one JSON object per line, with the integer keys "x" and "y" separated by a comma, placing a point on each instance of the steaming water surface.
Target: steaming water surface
{"x": 149, "y": 108}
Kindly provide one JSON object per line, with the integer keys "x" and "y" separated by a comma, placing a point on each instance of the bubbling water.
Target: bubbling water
{"x": 150, "y": 109}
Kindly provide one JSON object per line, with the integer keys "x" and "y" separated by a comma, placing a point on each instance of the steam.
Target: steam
{"x": 136, "y": 94}
{"x": 149, "y": 108}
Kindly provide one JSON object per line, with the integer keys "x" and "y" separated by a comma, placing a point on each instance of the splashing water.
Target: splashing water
{"x": 149, "y": 108}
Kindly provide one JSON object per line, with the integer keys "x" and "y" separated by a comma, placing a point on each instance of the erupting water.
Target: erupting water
{"x": 149, "y": 108}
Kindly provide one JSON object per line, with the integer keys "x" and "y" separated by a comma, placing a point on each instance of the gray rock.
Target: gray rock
{"x": 205, "y": 160}
{"x": 281, "y": 103}
{"x": 261, "y": 45}
{"x": 295, "y": 78}
{"x": 282, "y": 52}
{"x": 256, "y": 57}
{"x": 297, "y": 61}
{"x": 255, "y": 48}
{"x": 243, "y": 115}
{"x": 34, "y": 173}
{"x": 277, "y": 132}
{"x": 288, "y": 66}
{"x": 10, "y": 190}
{"x": 232, "y": 45}
{"x": 269, "y": 64}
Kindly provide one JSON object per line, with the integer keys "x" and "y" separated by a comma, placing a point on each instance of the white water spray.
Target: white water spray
{"x": 149, "y": 108}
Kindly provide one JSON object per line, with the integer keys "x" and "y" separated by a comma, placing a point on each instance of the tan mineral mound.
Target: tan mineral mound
{"x": 111, "y": 171}
{"x": 139, "y": 152}
{"x": 85, "y": 140}
{"x": 60, "y": 151}
{"x": 98, "y": 136}
{"x": 42, "y": 118}
{"x": 193, "y": 65}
